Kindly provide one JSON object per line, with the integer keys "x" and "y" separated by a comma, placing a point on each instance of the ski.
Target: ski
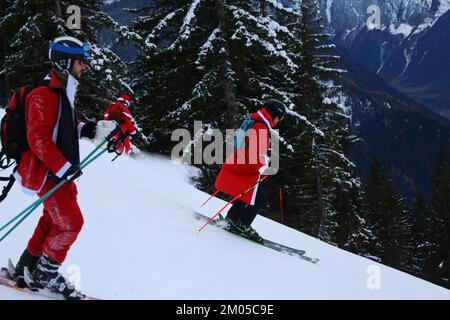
{"x": 7, "y": 280}
{"x": 220, "y": 223}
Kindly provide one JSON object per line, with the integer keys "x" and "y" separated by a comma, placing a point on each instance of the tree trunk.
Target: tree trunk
{"x": 229, "y": 92}
{"x": 58, "y": 9}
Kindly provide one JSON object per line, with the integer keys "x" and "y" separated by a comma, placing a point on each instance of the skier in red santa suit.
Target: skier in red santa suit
{"x": 244, "y": 167}
{"x": 119, "y": 112}
{"x": 53, "y": 133}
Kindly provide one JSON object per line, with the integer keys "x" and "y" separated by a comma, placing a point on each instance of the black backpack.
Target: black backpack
{"x": 13, "y": 133}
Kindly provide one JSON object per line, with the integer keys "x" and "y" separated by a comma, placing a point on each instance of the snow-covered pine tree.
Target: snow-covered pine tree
{"x": 4, "y": 40}
{"x": 106, "y": 78}
{"x": 28, "y": 27}
{"x": 33, "y": 24}
{"x": 211, "y": 61}
{"x": 323, "y": 193}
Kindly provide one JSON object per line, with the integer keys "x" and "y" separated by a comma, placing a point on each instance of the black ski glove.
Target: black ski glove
{"x": 72, "y": 174}
{"x": 89, "y": 130}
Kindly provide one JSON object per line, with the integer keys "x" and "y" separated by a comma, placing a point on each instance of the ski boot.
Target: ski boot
{"x": 46, "y": 276}
{"x": 27, "y": 260}
{"x": 249, "y": 233}
{"x": 244, "y": 230}
{"x": 232, "y": 226}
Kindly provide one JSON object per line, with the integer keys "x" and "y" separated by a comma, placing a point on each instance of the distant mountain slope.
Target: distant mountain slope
{"x": 426, "y": 72}
{"x": 403, "y": 134}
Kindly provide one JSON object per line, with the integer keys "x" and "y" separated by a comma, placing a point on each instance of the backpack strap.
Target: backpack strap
{"x": 20, "y": 96}
{"x": 10, "y": 184}
{"x": 239, "y": 138}
{"x": 5, "y": 162}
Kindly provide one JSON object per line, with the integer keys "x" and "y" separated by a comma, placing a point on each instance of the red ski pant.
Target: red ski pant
{"x": 60, "y": 224}
{"x": 125, "y": 145}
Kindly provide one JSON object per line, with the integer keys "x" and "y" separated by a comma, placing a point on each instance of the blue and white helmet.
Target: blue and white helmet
{"x": 63, "y": 51}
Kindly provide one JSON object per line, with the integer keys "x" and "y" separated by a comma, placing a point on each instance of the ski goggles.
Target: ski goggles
{"x": 84, "y": 52}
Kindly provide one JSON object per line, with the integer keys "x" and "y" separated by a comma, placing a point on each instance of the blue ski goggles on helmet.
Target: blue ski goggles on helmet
{"x": 84, "y": 52}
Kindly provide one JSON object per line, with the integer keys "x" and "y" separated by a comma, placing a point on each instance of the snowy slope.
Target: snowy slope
{"x": 140, "y": 242}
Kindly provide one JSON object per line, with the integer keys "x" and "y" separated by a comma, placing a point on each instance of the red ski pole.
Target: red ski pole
{"x": 231, "y": 201}
{"x": 210, "y": 197}
{"x": 281, "y": 207}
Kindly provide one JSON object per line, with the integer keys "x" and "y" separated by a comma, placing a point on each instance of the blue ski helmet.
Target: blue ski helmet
{"x": 63, "y": 51}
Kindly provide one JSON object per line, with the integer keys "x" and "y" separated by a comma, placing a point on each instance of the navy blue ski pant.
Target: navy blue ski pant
{"x": 241, "y": 212}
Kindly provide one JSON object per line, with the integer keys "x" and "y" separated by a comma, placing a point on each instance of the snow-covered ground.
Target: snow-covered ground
{"x": 140, "y": 241}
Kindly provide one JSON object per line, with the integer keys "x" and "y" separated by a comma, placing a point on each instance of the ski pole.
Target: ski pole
{"x": 27, "y": 211}
{"x": 81, "y": 164}
{"x": 231, "y": 201}
{"x": 87, "y": 158}
{"x": 210, "y": 198}
{"x": 281, "y": 207}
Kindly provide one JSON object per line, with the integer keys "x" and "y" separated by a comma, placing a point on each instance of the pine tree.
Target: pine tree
{"x": 4, "y": 40}
{"x": 438, "y": 263}
{"x": 324, "y": 186}
{"x": 211, "y": 61}
{"x": 33, "y": 24}
{"x": 422, "y": 224}
{"x": 389, "y": 220}
{"x": 215, "y": 60}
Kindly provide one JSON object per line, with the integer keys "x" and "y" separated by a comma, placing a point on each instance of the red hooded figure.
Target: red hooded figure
{"x": 244, "y": 167}
{"x": 119, "y": 112}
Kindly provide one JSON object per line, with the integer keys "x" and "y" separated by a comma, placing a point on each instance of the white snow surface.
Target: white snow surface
{"x": 328, "y": 10}
{"x": 444, "y": 6}
{"x": 403, "y": 28}
{"x": 140, "y": 241}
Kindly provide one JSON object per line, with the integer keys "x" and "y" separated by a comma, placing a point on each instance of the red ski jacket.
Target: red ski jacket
{"x": 119, "y": 113}
{"x": 241, "y": 169}
{"x": 51, "y": 134}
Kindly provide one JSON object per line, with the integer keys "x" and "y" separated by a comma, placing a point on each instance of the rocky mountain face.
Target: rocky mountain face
{"x": 392, "y": 127}
{"x": 409, "y": 49}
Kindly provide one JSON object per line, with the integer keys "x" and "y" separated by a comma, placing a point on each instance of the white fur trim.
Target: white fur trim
{"x": 63, "y": 170}
{"x": 255, "y": 191}
{"x": 265, "y": 120}
{"x": 71, "y": 90}
{"x": 55, "y": 130}
{"x": 27, "y": 191}
{"x": 80, "y": 127}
